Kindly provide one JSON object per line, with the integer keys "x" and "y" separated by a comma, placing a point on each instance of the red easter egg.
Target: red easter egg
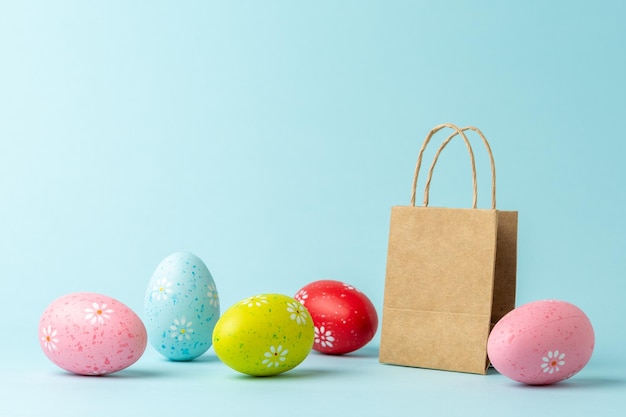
{"x": 345, "y": 319}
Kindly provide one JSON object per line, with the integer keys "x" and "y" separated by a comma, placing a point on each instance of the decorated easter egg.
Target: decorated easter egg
{"x": 91, "y": 334}
{"x": 264, "y": 335}
{"x": 181, "y": 307}
{"x": 344, "y": 318}
{"x": 542, "y": 342}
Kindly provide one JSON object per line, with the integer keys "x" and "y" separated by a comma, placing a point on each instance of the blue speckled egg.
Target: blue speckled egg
{"x": 181, "y": 307}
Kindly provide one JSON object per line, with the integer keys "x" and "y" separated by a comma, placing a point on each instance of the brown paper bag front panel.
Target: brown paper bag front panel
{"x": 435, "y": 340}
{"x": 441, "y": 259}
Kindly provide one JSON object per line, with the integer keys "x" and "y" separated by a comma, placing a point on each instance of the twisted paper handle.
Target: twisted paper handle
{"x": 461, "y": 132}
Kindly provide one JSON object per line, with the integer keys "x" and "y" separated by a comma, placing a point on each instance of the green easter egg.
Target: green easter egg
{"x": 264, "y": 335}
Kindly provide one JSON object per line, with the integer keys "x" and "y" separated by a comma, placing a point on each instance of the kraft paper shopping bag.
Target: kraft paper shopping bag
{"x": 451, "y": 275}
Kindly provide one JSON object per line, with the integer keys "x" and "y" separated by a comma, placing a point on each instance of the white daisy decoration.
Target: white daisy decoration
{"x": 275, "y": 356}
{"x": 324, "y": 337}
{"x": 49, "y": 338}
{"x": 553, "y": 362}
{"x": 302, "y": 296}
{"x": 257, "y": 300}
{"x": 161, "y": 289}
{"x": 214, "y": 299}
{"x": 98, "y": 313}
{"x": 181, "y": 329}
{"x": 298, "y": 312}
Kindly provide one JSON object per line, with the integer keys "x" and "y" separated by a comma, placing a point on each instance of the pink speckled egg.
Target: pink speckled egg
{"x": 542, "y": 342}
{"x": 91, "y": 334}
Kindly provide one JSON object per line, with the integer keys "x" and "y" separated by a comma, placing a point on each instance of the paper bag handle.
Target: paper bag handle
{"x": 457, "y": 131}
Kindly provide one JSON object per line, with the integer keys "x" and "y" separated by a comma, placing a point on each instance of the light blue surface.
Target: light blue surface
{"x": 271, "y": 139}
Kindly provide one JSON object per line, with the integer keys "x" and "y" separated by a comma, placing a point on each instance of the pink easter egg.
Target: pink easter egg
{"x": 91, "y": 334}
{"x": 542, "y": 342}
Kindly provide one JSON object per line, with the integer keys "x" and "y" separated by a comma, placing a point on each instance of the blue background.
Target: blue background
{"x": 271, "y": 138}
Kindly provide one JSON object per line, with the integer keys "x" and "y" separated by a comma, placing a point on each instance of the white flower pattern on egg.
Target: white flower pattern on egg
{"x": 49, "y": 338}
{"x": 98, "y": 313}
{"x": 161, "y": 289}
{"x": 181, "y": 329}
{"x": 298, "y": 312}
{"x": 275, "y": 356}
{"x": 214, "y": 299}
{"x": 302, "y": 296}
{"x": 256, "y": 300}
{"x": 553, "y": 361}
{"x": 324, "y": 337}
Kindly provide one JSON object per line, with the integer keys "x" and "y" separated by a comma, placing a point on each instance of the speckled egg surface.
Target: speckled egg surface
{"x": 181, "y": 307}
{"x": 542, "y": 342}
{"x": 91, "y": 334}
{"x": 345, "y": 319}
{"x": 264, "y": 335}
